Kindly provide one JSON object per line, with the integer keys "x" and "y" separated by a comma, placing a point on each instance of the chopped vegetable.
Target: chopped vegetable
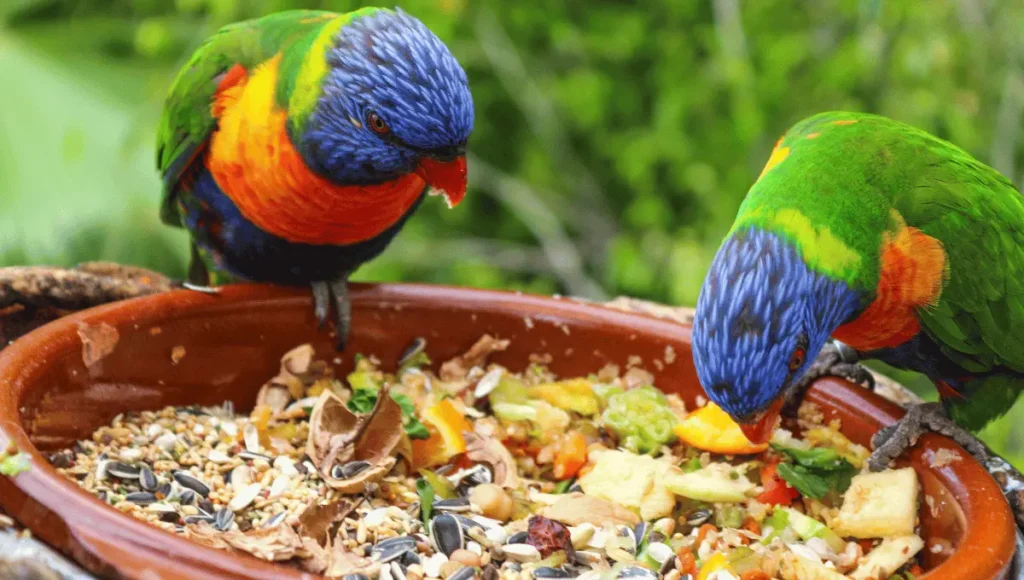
{"x": 879, "y": 505}
{"x": 364, "y": 398}
{"x": 13, "y": 464}
{"x": 828, "y": 437}
{"x": 426, "y": 493}
{"x": 729, "y": 516}
{"x": 807, "y": 527}
{"x": 641, "y": 418}
{"x": 574, "y": 395}
{"x": 441, "y": 486}
{"x": 713, "y": 483}
{"x": 570, "y": 456}
{"x": 711, "y": 429}
{"x": 714, "y": 563}
{"x": 816, "y": 472}
{"x": 776, "y": 490}
{"x": 633, "y": 481}
{"x": 605, "y": 392}
{"x": 808, "y": 569}
{"x": 446, "y": 425}
{"x": 888, "y": 557}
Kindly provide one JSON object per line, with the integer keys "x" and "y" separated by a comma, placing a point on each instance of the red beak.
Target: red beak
{"x": 760, "y": 430}
{"x": 447, "y": 178}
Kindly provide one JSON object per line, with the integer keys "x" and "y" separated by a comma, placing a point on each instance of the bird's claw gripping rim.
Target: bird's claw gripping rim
{"x": 835, "y": 359}
{"x": 324, "y": 293}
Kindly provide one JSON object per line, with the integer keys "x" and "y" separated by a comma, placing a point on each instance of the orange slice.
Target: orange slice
{"x": 446, "y": 425}
{"x": 712, "y": 429}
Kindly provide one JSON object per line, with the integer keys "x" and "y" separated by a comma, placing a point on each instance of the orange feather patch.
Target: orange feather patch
{"x": 255, "y": 163}
{"x": 913, "y": 268}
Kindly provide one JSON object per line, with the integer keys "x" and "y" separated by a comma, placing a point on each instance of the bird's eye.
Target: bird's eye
{"x": 797, "y": 360}
{"x": 376, "y": 124}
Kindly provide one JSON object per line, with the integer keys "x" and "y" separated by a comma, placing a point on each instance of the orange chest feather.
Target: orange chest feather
{"x": 913, "y": 269}
{"x": 254, "y": 162}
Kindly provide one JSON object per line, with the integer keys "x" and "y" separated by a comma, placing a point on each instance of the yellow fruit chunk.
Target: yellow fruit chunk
{"x": 712, "y": 429}
{"x": 446, "y": 425}
{"x": 632, "y": 481}
{"x": 575, "y": 395}
{"x": 714, "y": 563}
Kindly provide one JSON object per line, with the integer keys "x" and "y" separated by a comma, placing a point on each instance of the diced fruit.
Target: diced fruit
{"x": 743, "y": 559}
{"x": 551, "y": 422}
{"x": 807, "y": 569}
{"x": 510, "y": 390}
{"x": 574, "y": 395}
{"x": 570, "y": 456}
{"x": 641, "y": 418}
{"x": 713, "y": 483}
{"x": 776, "y": 490}
{"x": 712, "y": 429}
{"x": 888, "y": 557}
{"x": 879, "y": 505}
{"x": 514, "y": 412}
{"x": 714, "y": 563}
{"x": 446, "y": 425}
{"x": 807, "y": 527}
{"x": 632, "y": 481}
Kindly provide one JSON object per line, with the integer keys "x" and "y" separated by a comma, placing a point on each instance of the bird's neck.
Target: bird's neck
{"x": 254, "y": 161}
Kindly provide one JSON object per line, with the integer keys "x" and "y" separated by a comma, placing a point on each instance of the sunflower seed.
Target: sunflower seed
{"x": 101, "y": 470}
{"x": 517, "y": 538}
{"x": 638, "y": 573}
{"x": 447, "y": 534}
{"x": 410, "y": 558}
{"x": 148, "y": 480}
{"x": 459, "y": 504}
{"x": 521, "y": 552}
{"x": 241, "y": 476}
{"x": 140, "y": 498}
{"x": 350, "y": 469}
{"x": 640, "y": 533}
{"x": 487, "y": 383}
{"x": 463, "y": 574}
{"x": 391, "y": 548}
{"x": 164, "y": 491}
{"x": 467, "y": 523}
{"x": 549, "y": 572}
{"x": 218, "y": 456}
{"x": 187, "y": 497}
{"x": 223, "y": 519}
{"x": 418, "y": 345}
{"x": 123, "y": 470}
{"x": 244, "y": 497}
{"x": 275, "y": 519}
{"x": 354, "y": 577}
{"x": 251, "y": 436}
{"x": 185, "y": 479}
{"x": 662, "y": 554}
{"x": 396, "y": 571}
{"x": 252, "y": 456}
{"x": 698, "y": 516}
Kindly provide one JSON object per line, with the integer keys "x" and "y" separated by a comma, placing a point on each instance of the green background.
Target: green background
{"x": 613, "y": 144}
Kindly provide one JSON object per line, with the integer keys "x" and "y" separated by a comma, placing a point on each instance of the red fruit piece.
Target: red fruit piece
{"x": 549, "y": 536}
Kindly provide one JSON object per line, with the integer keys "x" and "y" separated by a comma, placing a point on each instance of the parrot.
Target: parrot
{"x": 865, "y": 238}
{"x": 294, "y": 147}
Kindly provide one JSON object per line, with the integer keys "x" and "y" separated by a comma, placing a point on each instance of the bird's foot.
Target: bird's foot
{"x": 324, "y": 293}
{"x": 835, "y": 359}
{"x": 894, "y": 440}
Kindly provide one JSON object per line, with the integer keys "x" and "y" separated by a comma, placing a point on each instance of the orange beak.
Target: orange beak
{"x": 447, "y": 178}
{"x": 759, "y": 431}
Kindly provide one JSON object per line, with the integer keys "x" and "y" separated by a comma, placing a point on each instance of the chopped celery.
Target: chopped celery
{"x": 729, "y": 516}
{"x": 807, "y": 527}
{"x": 641, "y": 418}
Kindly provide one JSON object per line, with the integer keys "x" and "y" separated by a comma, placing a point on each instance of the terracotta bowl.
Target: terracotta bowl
{"x": 233, "y": 342}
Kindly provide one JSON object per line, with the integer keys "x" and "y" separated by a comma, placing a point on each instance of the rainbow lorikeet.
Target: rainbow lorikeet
{"x": 892, "y": 241}
{"x": 294, "y": 147}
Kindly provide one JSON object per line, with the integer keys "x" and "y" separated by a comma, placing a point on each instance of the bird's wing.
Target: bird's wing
{"x": 222, "y": 60}
{"x": 978, "y": 215}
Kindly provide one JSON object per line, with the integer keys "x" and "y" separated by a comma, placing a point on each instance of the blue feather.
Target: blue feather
{"x": 760, "y": 302}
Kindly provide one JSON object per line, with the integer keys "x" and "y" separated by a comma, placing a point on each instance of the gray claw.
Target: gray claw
{"x": 321, "y": 302}
{"x": 894, "y": 440}
{"x": 339, "y": 289}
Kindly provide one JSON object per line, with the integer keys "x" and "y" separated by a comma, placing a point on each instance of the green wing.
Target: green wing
{"x": 978, "y": 215}
{"x": 187, "y": 122}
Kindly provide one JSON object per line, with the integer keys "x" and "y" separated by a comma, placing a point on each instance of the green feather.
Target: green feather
{"x": 846, "y": 179}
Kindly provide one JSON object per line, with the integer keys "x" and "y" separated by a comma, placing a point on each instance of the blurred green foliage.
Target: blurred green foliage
{"x": 614, "y": 140}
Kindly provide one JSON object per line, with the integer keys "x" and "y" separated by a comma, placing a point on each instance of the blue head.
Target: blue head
{"x": 394, "y": 101}
{"x": 762, "y": 317}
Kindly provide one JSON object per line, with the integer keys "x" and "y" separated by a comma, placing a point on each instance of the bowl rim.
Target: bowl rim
{"x": 110, "y": 542}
